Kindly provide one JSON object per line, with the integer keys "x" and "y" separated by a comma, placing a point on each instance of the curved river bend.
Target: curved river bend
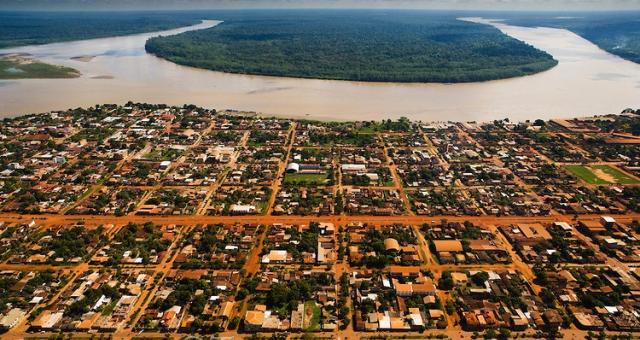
{"x": 586, "y": 81}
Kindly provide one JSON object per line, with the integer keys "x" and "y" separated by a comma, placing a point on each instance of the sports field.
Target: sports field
{"x": 601, "y": 174}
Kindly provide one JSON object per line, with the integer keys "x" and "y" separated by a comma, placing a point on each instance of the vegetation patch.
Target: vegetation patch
{"x": 164, "y": 154}
{"x": 311, "y": 316}
{"x": 305, "y": 179}
{"x": 394, "y": 46}
{"x": 15, "y": 66}
{"x": 92, "y": 135}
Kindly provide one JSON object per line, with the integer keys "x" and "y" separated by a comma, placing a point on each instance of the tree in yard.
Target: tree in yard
{"x": 490, "y": 334}
{"x": 547, "y": 297}
{"x": 480, "y": 278}
{"x": 446, "y": 281}
{"x": 504, "y": 333}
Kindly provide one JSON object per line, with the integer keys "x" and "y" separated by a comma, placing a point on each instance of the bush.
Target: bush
{"x": 233, "y": 324}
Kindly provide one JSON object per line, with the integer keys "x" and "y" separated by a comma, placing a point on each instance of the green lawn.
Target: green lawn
{"x": 587, "y": 174}
{"x": 261, "y": 207}
{"x": 92, "y": 134}
{"x": 305, "y": 179}
{"x": 108, "y": 309}
{"x": 388, "y": 183}
{"x": 312, "y": 309}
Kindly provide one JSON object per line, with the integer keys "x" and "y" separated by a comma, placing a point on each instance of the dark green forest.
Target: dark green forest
{"x": 380, "y": 45}
{"x": 615, "y": 32}
{"x": 31, "y": 28}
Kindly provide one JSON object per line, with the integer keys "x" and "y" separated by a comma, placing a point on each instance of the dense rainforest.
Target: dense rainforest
{"x": 615, "y": 32}
{"x": 376, "y": 45}
{"x": 32, "y": 28}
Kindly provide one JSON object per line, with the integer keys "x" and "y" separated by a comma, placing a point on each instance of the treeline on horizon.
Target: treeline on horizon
{"x": 398, "y": 46}
{"x": 35, "y": 28}
{"x": 615, "y": 32}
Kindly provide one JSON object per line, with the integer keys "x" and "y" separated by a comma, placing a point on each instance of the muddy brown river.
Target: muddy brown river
{"x": 586, "y": 81}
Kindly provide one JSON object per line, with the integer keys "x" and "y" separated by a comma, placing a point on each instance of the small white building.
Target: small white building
{"x": 164, "y": 165}
{"x": 354, "y": 168}
{"x": 242, "y": 209}
{"x": 293, "y": 168}
{"x": 275, "y": 256}
{"x": 607, "y": 221}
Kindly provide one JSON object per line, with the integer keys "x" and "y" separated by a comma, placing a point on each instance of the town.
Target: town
{"x": 152, "y": 221}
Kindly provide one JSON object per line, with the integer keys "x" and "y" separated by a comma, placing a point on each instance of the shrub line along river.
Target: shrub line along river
{"x": 586, "y": 81}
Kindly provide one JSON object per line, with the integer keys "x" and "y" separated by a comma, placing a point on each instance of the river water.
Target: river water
{"x": 586, "y": 81}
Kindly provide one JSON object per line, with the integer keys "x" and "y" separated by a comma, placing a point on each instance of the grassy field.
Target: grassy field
{"x": 620, "y": 177}
{"x": 306, "y": 179}
{"x": 261, "y": 207}
{"x": 92, "y": 135}
{"x": 21, "y": 67}
{"x": 601, "y": 174}
{"x": 311, "y": 313}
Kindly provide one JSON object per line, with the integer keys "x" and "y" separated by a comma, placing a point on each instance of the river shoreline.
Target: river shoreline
{"x": 587, "y": 81}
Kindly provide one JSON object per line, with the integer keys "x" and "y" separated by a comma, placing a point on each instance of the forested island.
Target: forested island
{"x": 380, "y": 45}
{"x": 33, "y": 28}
